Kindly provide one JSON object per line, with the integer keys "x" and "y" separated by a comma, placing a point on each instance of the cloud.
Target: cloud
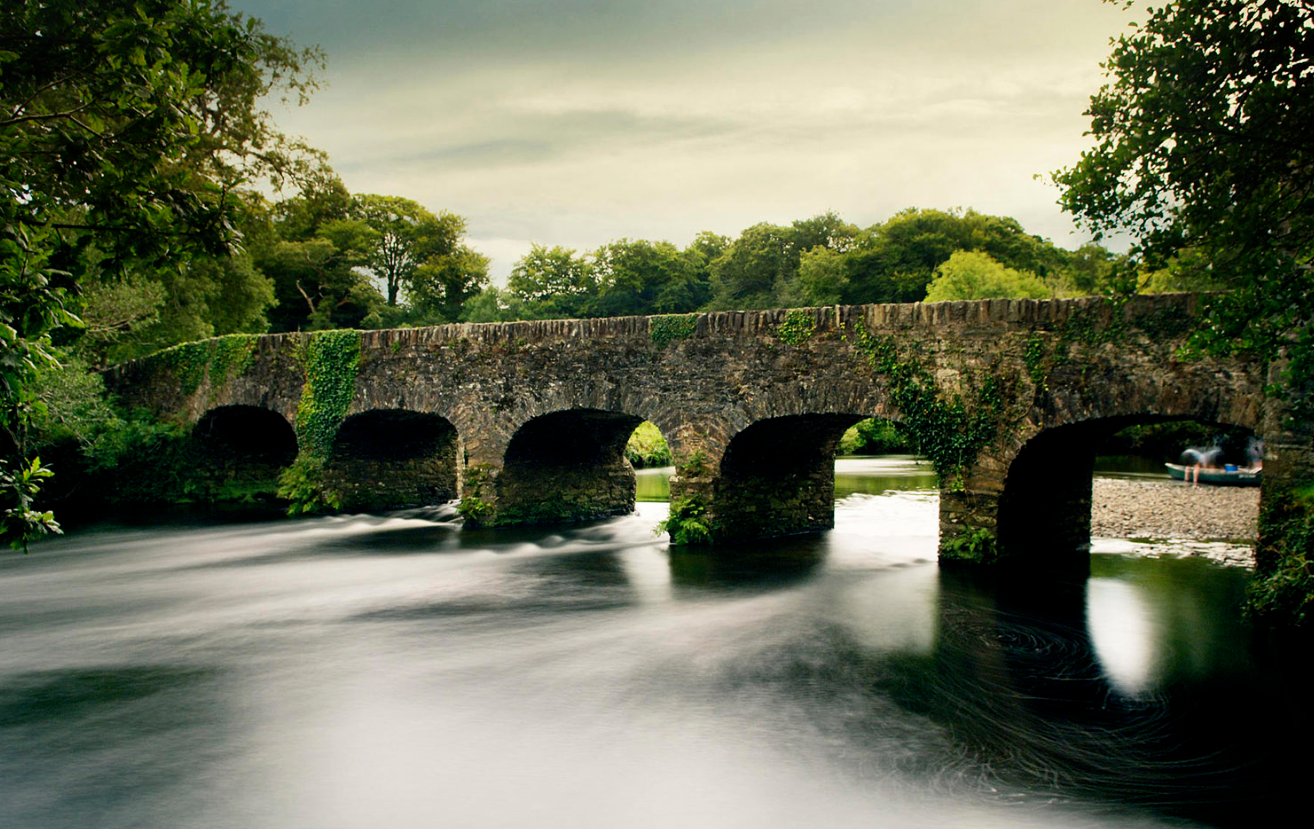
{"x": 578, "y": 121}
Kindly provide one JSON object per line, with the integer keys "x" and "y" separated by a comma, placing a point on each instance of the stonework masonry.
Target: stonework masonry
{"x": 530, "y": 418}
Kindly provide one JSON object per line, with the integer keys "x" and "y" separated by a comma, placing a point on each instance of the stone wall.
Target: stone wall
{"x": 567, "y": 466}
{"x": 778, "y": 477}
{"x": 391, "y": 459}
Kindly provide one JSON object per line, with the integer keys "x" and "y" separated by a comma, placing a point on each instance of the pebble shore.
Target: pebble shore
{"x": 1172, "y": 510}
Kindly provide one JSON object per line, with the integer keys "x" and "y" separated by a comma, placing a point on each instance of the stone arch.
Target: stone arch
{"x": 777, "y": 476}
{"x": 245, "y": 447}
{"x": 247, "y": 430}
{"x": 1044, "y": 509}
{"x": 565, "y": 466}
{"x": 392, "y": 458}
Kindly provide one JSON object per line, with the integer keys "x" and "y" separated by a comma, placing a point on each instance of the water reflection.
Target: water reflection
{"x": 364, "y": 670}
{"x": 879, "y": 475}
{"x": 853, "y": 475}
{"x": 1122, "y": 627}
{"x": 759, "y": 565}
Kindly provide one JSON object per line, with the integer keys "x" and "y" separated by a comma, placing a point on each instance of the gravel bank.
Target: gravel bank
{"x": 1172, "y": 510}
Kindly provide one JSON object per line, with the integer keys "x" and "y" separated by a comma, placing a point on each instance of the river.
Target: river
{"x": 390, "y": 671}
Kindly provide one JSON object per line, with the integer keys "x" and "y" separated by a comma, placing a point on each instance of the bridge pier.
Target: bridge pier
{"x": 1032, "y": 512}
{"x": 392, "y": 458}
{"x": 775, "y": 477}
{"x": 558, "y": 468}
{"x": 1043, "y": 509}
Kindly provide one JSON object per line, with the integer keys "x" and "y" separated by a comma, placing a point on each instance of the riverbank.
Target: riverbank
{"x": 1168, "y": 509}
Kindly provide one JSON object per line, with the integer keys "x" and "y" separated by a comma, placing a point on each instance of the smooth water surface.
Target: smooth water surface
{"x": 870, "y": 475}
{"x": 394, "y": 672}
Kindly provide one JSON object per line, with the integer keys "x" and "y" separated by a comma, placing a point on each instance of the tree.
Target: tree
{"x": 1202, "y": 143}
{"x": 747, "y": 274}
{"x": 821, "y": 277}
{"x": 126, "y": 128}
{"x": 1088, "y": 270}
{"x": 895, "y": 261}
{"x": 493, "y": 305}
{"x": 760, "y": 268}
{"x": 136, "y": 121}
{"x": 642, "y": 277}
{"x": 553, "y": 283}
{"x": 975, "y": 275}
{"x": 310, "y": 251}
{"x": 404, "y": 237}
{"x": 316, "y": 284}
{"x": 441, "y": 287}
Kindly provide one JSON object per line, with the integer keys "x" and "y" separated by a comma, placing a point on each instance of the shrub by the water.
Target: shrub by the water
{"x": 874, "y": 437}
{"x": 647, "y": 448}
{"x": 1283, "y": 585}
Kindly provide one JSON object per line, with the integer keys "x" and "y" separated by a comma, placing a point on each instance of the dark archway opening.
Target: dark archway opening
{"x": 242, "y": 451}
{"x": 249, "y": 433}
{"x": 1044, "y": 516}
{"x": 393, "y": 458}
{"x": 567, "y": 466}
{"x": 778, "y": 476}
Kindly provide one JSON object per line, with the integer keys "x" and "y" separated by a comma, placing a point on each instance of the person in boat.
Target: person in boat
{"x": 1255, "y": 454}
{"x": 1197, "y": 459}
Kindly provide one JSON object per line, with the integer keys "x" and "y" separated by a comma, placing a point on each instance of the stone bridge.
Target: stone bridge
{"x": 526, "y": 422}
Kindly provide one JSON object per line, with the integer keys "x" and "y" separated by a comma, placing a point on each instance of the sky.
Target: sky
{"x": 578, "y": 122}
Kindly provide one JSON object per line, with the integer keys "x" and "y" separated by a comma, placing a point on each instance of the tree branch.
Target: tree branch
{"x": 52, "y": 116}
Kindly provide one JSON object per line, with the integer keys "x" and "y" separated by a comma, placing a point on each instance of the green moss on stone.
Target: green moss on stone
{"x": 219, "y": 360}
{"x": 329, "y": 360}
{"x": 474, "y": 507}
{"x": 671, "y": 327}
{"x": 797, "y": 328}
{"x": 947, "y": 429}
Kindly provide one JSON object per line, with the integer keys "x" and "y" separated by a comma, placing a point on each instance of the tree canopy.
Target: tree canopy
{"x": 126, "y": 129}
{"x": 1202, "y": 145}
{"x": 401, "y": 237}
{"x": 974, "y": 275}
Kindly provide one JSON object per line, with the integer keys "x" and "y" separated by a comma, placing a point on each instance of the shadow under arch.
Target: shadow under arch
{"x": 1044, "y": 514}
{"x": 244, "y": 448}
{"x": 250, "y": 433}
{"x": 567, "y": 466}
{"x": 777, "y": 476}
{"x": 392, "y": 458}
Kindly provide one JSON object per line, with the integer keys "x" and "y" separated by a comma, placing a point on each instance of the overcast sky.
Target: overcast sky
{"x": 576, "y": 122}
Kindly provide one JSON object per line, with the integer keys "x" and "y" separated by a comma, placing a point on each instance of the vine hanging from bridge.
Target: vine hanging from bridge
{"x": 329, "y": 361}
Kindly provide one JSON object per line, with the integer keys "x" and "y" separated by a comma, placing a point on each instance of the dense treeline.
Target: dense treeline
{"x": 130, "y": 132}
{"x": 327, "y": 258}
{"x": 823, "y": 260}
